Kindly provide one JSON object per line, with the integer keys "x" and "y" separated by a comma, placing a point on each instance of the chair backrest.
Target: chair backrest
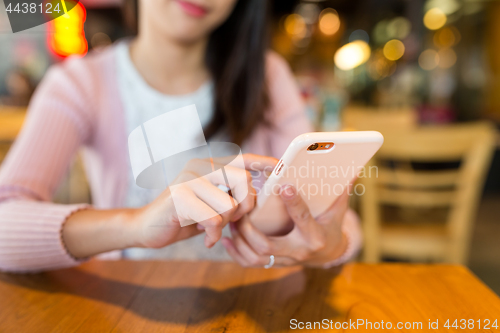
{"x": 468, "y": 146}
{"x": 363, "y": 118}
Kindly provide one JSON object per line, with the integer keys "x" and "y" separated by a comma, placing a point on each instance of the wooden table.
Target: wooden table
{"x": 129, "y": 296}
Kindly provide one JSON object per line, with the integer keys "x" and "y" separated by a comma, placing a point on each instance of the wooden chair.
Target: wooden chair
{"x": 399, "y": 184}
{"x": 11, "y": 121}
{"x": 363, "y": 118}
{"x": 369, "y": 118}
{"x": 74, "y": 188}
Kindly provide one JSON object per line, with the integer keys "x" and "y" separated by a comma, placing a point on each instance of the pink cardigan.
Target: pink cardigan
{"x": 78, "y": 106}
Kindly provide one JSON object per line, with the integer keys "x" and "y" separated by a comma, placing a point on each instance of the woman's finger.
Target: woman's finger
{"x": 246, "y": 205}
{"x": 213, "y": 228}
{"x": 239, "y": 181}
{"x": 255, "y": 238}
{"x": 188, "y": 231}
{"x": 243, "y": 248}
{"x": 234, "y": 252}
{"x": 216, "y": 198}
{"x": 250, "y": 255}
{"x": 297, "y": 208}
{"x": 336, "y": 211}
{"x": 191, "y": 209}
{"x": 293, "y": 245}
{"x": 230, "y": 171}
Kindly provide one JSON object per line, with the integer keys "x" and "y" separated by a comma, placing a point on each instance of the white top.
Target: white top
{"x": 142, "y": 103}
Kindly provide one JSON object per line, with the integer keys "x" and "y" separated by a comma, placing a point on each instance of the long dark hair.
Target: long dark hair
{"x": 236, "y": 60}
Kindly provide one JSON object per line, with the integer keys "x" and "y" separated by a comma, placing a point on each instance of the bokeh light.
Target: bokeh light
{"x": 352, "y": 55}
{"x": 446, "y": 6}
{"x": 446, "y": 37}
{"x": 295, "y": 25}
{"x": 380, "y": 67}
{"x": 308, "y": 11}
{"x": 394, "y": 49}
{"x": 428, "y": 60}
{"x": 100, "y": 40}
{"x": 380, "y": 32}
{"x": 447, "y": 58}
{"x": 329, "y": 21}
{"x": 399, "y": 28}
{"x": 69, "y": 37}
{"x": 434, "y": 19}
{"x": 359, "y": 34}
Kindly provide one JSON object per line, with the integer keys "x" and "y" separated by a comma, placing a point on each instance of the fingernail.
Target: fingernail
{"x": 288, "y": 191}
{"x": 200, "y": 227}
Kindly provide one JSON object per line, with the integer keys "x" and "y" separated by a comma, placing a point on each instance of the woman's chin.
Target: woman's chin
{"x": 188, "y": 34}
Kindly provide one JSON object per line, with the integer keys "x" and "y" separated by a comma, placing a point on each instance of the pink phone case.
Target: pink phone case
{"x": 319, "y": 176}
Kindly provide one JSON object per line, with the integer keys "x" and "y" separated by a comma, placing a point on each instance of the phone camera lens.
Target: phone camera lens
{"x": 313, "y": 147}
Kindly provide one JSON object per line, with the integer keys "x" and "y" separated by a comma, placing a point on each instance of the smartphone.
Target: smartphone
{"x": 320, "y": 165}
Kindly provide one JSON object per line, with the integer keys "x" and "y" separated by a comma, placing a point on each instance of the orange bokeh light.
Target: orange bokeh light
{"x": 68, "y": 37}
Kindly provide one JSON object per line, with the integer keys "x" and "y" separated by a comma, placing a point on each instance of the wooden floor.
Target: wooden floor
{"x": 485, "y": 254}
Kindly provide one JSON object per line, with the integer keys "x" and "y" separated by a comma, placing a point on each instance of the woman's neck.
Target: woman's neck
{"x": 170, "y": 67}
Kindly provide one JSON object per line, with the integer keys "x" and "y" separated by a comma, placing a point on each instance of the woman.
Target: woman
{"x": 209, "y": 53}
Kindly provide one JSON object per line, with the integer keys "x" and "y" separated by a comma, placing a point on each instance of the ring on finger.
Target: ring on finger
{"x": 271, "y": 262}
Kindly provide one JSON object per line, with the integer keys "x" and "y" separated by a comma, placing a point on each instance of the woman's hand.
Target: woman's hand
{"x": 90, "y": 232}
{"x": 198, "y": 199}
{"x": 312, "y": 242}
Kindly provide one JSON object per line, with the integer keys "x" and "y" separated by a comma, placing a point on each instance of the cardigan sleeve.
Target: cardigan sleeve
{"x": 289, "y": 119}
{"x": 56, "y": 126}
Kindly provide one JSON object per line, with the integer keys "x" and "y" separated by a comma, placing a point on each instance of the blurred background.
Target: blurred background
{"x": 425, "y": 73}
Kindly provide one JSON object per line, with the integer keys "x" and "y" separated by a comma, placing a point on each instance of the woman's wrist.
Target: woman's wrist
{"x": 128, "y": 222}
{"x": 90, "y": 232}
